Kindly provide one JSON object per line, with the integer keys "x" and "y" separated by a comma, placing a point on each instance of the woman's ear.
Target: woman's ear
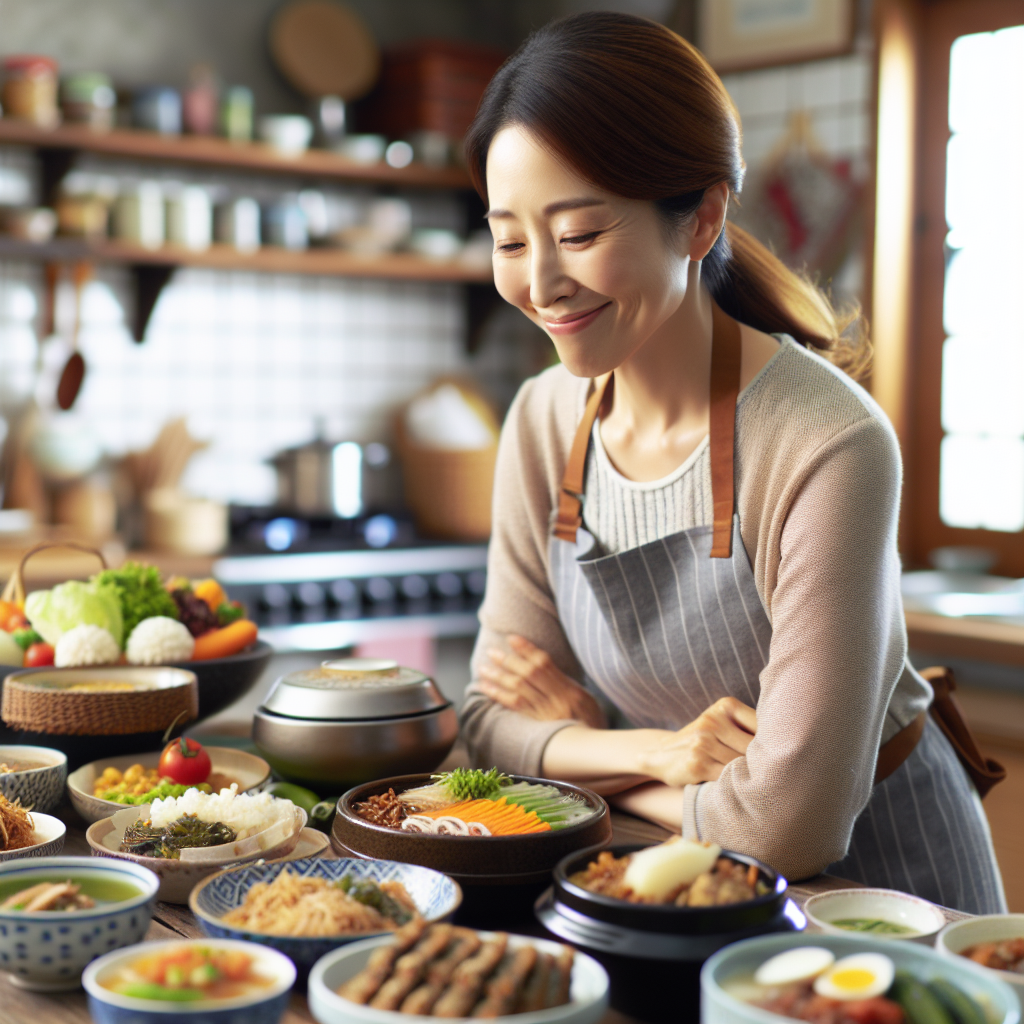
{"x": 709, "y": 220}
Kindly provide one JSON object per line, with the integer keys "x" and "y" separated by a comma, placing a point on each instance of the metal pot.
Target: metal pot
{"x": 354, "y": 720}
{"x": 334, "y": 478}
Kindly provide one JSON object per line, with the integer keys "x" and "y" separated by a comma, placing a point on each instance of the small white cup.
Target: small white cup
{"x": 289, "y": 134}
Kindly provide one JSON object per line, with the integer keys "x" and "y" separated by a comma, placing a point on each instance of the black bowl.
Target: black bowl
{"x": 221, "y": 682}
{"x": 653, "y": 953}
{"x": 500, "y": 875}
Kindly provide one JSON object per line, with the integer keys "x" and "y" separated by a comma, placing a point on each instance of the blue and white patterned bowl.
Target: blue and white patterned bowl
{"x": 48, "y": 833}
{"x": 46, "y": 952}
{"x": 39, "y": 789}
{"x": 436, "y": 896}
{"x": 265, "y": 1007}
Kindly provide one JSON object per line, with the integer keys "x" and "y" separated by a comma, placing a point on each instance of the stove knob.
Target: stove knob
{"x": 275, "y": 596}
{"x": 414, "y": 587}
{"x": 344, "y": 592}
{"x": 379, "y": 589}
{"x": 448, "y": 584}
{"x": 310, "y": 595}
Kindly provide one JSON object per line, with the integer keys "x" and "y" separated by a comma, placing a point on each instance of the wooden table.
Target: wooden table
{"x": 174, "y": 922}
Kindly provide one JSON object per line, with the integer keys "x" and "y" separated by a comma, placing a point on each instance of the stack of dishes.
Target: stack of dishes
{"x": 353, "y": 720}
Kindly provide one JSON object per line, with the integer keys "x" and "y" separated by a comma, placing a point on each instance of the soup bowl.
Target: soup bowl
{"x": 960, "y": 935}
{"x": 46, "y": 951}
{"x": 48, "y": 839}
{"x": 719, "y": 1004}
{"x": 265, "y": 1005}
{"x": 917, "y": 919}
{"x": 40, "y": 787}
{"x": 436, "y": 897}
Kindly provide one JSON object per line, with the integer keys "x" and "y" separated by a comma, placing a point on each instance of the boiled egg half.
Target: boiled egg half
{"x": 861, "y": 976}
{"x": 794, "y": 965}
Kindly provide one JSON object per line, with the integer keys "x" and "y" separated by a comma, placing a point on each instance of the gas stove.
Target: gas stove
{"x": 323, "y": 584}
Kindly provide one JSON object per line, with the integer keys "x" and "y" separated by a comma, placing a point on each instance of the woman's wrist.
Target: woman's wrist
{"x": 605, "y": 759}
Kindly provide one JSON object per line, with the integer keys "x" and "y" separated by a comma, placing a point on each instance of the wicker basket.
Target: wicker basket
{"x": 15, "y": 589}
{"x": 39, "y": 701}
{"x": 449, "y": 492}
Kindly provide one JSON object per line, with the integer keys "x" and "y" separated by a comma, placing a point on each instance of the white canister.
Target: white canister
{"x": 190, "y": 218}
{"x": 139, "y": 215}
{"x": 238, "y": 224}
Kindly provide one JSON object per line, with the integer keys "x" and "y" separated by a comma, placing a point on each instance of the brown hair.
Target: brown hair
{"x": 638, "y": 111}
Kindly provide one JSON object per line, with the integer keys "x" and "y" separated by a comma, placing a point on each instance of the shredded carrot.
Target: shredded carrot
{"x": 499, "y": 816}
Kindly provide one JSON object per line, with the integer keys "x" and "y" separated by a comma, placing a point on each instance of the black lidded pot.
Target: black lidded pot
{"x": 653, "y": 953}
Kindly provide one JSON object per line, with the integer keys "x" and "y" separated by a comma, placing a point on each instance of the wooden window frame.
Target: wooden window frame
{"x": 907, "y": 234}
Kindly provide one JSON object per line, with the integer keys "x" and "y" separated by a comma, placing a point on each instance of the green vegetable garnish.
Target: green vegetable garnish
{"x": 228, "y": 612}
{"x": 140, "y": 592}
{"x": 25, "y": 638}
{"x": 151, "y": 990}
{"x": 370, "y": 894}
{"x": 472, "y": 783}
{"x": 162, "y": 791}
{"x": 188, "y": 832}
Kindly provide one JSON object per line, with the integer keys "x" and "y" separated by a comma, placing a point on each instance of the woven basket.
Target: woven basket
{"x": 15, "y": 589}
{"x": 448, "y": 492}
{"x": 39, "y": 701}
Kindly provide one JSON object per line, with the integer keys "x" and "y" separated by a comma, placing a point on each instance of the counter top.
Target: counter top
{"x": 172, "y": 922}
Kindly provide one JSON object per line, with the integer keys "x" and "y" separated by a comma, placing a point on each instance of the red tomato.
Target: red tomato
{"x": 38, "y": 655}
{"x": 185, "y": 762}
{"x": 874, "y": 1011}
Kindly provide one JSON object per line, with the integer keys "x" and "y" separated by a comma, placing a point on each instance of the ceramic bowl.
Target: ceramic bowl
{"x": 654, "y": 953}
{"x": 48, "y": 833}
{"x": 956, "y": 937}
{"x": 743, "y": 958}
{"x": 248, "y": 770}
{"x": 924, "y": 919}
{"x": 436, "y": 896}
{"x": 179, "y": 877}
{"x": 289, "y": 134}
{"x": 38, "y": 789}
{"x": 44, "y": 952}
{"x": 266, "y": 1007}
{"x": 588, "y": 993}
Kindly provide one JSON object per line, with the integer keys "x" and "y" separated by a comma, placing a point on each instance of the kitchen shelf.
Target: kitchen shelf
{"x": 210, "y": 151}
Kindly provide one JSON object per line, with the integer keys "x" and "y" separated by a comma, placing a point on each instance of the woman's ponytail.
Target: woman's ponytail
{"x": 638, "y": 111}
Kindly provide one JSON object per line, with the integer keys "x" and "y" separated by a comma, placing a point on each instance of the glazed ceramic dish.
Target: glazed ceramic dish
{"x": 48, "y": 833}
{"x": 923, "y": 919}
{"x": 178, "y": 877}
{"x": 248, "y": 770}
{"x": 266, "y": 1007}
{"x": 653, "y": 953}
{"x": 38, "y": 789}
{"x": 588, "y": 994}
{"x": 436, "y": 898}
{"x": 958, "y": 936}
{"x": 743, "y": 958}
{"x": 47, "y": 954}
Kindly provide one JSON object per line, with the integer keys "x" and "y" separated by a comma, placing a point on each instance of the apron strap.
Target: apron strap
{"x": 725, "y": 388}
{"x": 726, "y": 351}
{"x": 569, "y": 519}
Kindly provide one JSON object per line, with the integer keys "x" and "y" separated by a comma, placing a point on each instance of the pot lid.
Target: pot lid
{"x": 348, "y": 688}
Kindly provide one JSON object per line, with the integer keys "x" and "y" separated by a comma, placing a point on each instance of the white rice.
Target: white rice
{"x": 244, "y": 812}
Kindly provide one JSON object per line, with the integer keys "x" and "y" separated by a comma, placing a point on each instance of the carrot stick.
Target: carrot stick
{"x": 222, "y": 643}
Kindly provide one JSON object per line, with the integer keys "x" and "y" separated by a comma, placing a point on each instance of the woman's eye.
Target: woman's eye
{"x": 580, "y": 239}
{"x": 509, "y": 246}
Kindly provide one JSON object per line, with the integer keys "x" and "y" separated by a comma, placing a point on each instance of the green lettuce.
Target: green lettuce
{"x": 53, "y": 612}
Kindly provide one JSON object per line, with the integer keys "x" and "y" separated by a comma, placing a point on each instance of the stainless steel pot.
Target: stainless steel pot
{"x": 335, "y": 478}
{"x": 352, "y": 721}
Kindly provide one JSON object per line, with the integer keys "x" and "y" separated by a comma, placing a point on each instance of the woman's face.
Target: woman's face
{"x": 599, "y": 273}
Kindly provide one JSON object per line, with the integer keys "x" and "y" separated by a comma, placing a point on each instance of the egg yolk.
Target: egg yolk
{"x": 852, "y": 979}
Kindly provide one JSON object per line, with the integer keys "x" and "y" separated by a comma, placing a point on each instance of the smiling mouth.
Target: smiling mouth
{"x": 575, "y": 321}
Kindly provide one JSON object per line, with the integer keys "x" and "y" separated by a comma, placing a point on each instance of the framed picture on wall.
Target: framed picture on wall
{"x": 737, "y": 35}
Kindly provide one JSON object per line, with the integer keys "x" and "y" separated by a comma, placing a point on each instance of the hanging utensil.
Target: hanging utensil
{"x": 71, "y": 377}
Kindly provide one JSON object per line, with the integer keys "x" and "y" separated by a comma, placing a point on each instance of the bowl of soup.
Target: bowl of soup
{"x": 212, "y": 981}
{"x": 880, "y": 913}
{"x": 59, "y": 913}
{"x": 33, "y": 775}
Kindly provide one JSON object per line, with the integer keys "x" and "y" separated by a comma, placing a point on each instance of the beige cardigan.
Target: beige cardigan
{"x": 818, "y": 484}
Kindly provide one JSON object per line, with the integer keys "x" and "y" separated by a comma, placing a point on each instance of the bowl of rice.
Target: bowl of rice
{"x": 244, "y": 826}
{"x": 306, "y": 908}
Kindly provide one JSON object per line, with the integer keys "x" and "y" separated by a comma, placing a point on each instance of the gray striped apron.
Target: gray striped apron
{"x": 664, "y": 630}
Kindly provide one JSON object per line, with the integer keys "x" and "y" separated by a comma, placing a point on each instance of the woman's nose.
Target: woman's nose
{"x": 548, "y": 280}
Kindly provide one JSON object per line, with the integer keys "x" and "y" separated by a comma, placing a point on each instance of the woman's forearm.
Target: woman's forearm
{"x": 654, "y": 801}
{"x": 605, "y": 760}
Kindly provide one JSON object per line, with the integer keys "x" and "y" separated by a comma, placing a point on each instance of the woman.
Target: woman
{"x": 696, "y": 511}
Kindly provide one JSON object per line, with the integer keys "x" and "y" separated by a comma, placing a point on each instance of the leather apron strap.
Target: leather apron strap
{"x": 724, "y": 390}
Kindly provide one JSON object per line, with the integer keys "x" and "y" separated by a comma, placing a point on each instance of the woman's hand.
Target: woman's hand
{"x": 529, "y": 682}
{"x": 699, "y": 751}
